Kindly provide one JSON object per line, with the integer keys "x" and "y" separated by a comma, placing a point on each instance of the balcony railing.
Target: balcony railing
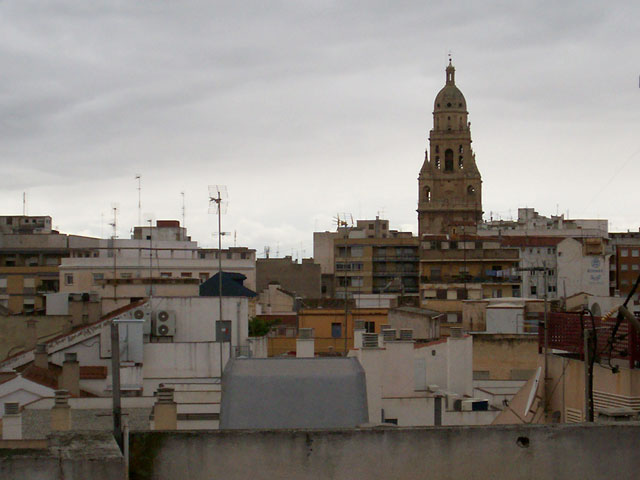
{"x": 396, "y": 258}
{"x": 469, "y": 279}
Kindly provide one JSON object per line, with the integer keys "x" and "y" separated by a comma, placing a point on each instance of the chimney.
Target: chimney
{"x": 70, "y": 378}
{"x": 41, "y": 357}
{"x": 165, "y": 410}
{"x": 305, "y": 344}
{"x": 61, "y": 412}
{"x": 12, "y": 422}
{"x": 32, "y": 334}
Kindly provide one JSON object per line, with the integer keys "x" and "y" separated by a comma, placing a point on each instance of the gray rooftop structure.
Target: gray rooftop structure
{"x": 276, "y": 393}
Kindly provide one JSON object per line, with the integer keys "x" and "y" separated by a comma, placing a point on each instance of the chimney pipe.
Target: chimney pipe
{"x": 165, "y": 410}
{"x": 61, "y": 412}
{"x": 70, "y": 378}
{"x": 41, "y": 357}
{"x": 32, "y": 334}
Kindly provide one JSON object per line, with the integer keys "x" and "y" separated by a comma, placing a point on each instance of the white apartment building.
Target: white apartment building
{"x": 160, "y": 260}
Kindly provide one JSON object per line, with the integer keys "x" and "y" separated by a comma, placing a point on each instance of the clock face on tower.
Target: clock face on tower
{"x": 449, "y": 193}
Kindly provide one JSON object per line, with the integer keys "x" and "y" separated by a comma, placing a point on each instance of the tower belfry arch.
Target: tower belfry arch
{"x": 449, "y": 183}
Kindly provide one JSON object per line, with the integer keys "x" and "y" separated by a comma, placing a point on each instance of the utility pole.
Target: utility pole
{"x": 588, "y": 377}
{"x": 545, "y": 272}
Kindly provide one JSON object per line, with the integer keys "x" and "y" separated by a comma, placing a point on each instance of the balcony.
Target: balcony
{"x": 396, "y": 258}
{"x": 469, "y": 279}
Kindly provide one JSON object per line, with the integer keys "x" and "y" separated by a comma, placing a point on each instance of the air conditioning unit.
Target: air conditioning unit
{"x": 143, "y": 313}
{"x": 164, "y": 323}
{"x": 475, "y": 405}
{"x": 389, "y": 334}
{"x": 370, "y": 340}
{"x": 406, "y": 334}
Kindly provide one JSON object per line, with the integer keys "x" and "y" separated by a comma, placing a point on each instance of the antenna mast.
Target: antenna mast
{"x": 184, "y": 225}
{"x": 114, "y": 224}
{"x": 217, "y": 194}
{"x": 139, "y": 178}
{"x": 24, "y": 204}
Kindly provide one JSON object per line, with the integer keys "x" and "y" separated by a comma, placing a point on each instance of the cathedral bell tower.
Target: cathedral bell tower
{"x": 450, "y": 195}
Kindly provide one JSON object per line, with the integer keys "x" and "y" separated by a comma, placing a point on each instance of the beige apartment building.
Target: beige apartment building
{"x": 30, "y": 253}
{"x": 454, "y": 268}
{"x": 368, "y": 258}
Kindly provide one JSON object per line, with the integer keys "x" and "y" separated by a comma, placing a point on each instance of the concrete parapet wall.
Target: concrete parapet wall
{"x": 94, "y": 456}
{"x": 505, "y": 452}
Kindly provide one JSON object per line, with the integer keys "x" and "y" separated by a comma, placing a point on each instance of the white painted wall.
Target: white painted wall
{"x": 22, "y": 391}
{"x": 505, "y": 319}
{"x": 580, "y": 273}
{"x": 196, "y": 317}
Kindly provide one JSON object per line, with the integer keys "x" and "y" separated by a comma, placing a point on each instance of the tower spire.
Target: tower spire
{"x": 451, "y": 73}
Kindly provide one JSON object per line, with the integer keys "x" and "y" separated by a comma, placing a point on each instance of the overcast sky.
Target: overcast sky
{"x": 305, "y": 109}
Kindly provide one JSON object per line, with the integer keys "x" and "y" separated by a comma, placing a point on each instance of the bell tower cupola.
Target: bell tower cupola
{"x": 449, "y": 184}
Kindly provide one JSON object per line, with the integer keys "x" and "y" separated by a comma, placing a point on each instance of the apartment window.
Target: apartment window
{"x": 634, "y": 267}
{"x": 634, "y": 252}
{"x": 186, "y": 274}
{"x": 534, "y": 290}
{"x": 441, "y": 293}
{"x": 552, "y": 288}
{"x": 515, "y": 291}
{"x": 201, "y": 255}
{"x": 243, "y": 255}
{"x": 462, "y": 294}
{"x": 624, "y": 267}
{"x": 496, "y": 293}
{"x": 165, "y": 274}
{"x": 435, "y": 274}
{"x": 229, "y": 255}
{"x": 97, "y": 278}
{"x": 356, "y": 281}
{"x": 624, "y": 252}
{"x": 357, "y": 251}
{"x": 125, "y": 275}
{"x": 356, "y": 267}
{"x": 68, "y": 278}
{"x": 370, "y": 327}
{"x": 336, "y": 330}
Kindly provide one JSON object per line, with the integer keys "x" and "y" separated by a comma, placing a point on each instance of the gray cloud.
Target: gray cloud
{"x": 305, "y": 109}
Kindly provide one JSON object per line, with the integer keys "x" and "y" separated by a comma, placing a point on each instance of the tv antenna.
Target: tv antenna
{"x": 343, "y": 220}
{"x": 218, "y": 202}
